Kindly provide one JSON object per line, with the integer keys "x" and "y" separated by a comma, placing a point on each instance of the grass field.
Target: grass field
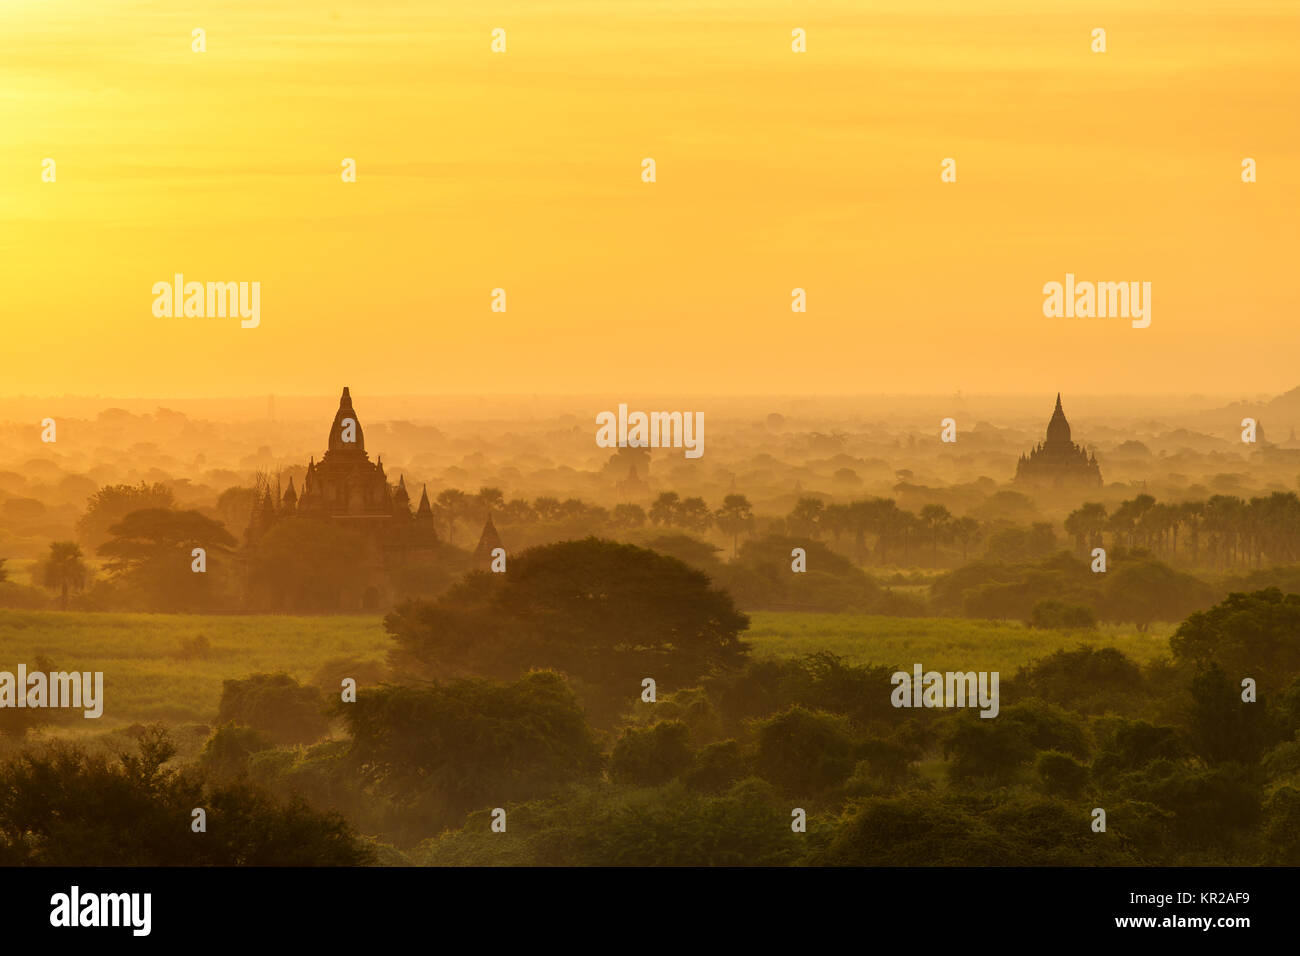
{"x": 148, "y": 678}
{"x": 939, "y": 643}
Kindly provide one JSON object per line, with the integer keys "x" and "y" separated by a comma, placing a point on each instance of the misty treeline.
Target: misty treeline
{"x": 526, "y": 693}
{"x": 135, "y": 552}
{"x": 1222, "y": 531}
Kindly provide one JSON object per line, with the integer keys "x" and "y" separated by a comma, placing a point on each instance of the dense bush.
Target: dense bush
{"x": 275, "y": 704}
{"x": 441, "y": 751}
{"x": 647, "y": 758}
{"x": 64, "y": 806}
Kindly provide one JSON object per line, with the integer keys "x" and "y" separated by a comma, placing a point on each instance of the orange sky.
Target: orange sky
{"x": 522, "y": 171}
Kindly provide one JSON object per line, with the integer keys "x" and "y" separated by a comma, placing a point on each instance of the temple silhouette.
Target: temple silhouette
{"x": 347, "y": 489}
{"x": 1058, "y": 462}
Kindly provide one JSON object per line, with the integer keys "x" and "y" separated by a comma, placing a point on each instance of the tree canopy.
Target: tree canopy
{"x": 606, "y": 613}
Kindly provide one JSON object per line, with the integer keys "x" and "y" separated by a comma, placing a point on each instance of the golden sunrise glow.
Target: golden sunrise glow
{"x": 522, "y": 171}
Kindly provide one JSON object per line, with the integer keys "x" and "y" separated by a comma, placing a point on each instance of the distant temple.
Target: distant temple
{"x": 1058, "y": 462}
{"x": 488, "y": 542}
{"x": 347, "y": 489}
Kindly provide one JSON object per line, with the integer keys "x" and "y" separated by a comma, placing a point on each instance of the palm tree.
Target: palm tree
{"x": 451, "y": 505}
{"x": 1086, "y": 523}
{"x": 890, "y": 523}
{"x": 1223, "y": 524}
{"x": 547, "y": 507}
{"x": 1126, "y": 517}
{"x": 965, "y": 530}
{"x": 938, "y": 520}
{"x": 518, "y": 511}
{"x": 488, "y": 500}
{"x": 835, "y": 518}
{"x": 858, "y": 518}
{"x": 64, "y": 569}
{"x": 1192, "y": 514}
{"x": 735, "y": 515}
{"x": 806, "y": 517}
{"x": 906, "y": 523}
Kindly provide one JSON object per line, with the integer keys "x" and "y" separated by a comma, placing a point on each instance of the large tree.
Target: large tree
{"x": 1248, "y": 635}
{"x": 151, "y": 552}
{"x": 606, "y": 613}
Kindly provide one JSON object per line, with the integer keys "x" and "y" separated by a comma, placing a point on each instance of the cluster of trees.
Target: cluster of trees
{"x": 145, "y": 545}
{"x": 453, "y": 506}
{"x": 669, "y": 510}
{"x": 68, "y": 805}
{"x": 150, "y": 561}
{"x": 1063, "y": 591}
{"x": 760, "y": 577}
{"x": 1186, "y": 770}
{"x": 1224, "y": 530}
{"x": 526, "y": 692}
{"x": 896, "y": 532}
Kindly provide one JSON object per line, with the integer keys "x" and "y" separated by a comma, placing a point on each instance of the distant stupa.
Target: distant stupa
{"x": 487, "y": 542}
{"x": 1058, "y": 462}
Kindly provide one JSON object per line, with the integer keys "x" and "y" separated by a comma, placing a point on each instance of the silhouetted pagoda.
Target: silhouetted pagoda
{"x": 347, "y": 489}
{"x": 487, "y": 541}
{"x": 1058, "y": 462}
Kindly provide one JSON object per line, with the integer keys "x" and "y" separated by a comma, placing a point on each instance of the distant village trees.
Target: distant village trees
{"x": 112, "y": 503}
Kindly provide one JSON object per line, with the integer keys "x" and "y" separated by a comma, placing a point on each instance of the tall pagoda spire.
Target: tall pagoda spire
{"x": 340, "y": 430}
{"x": 424, "y": 510}
{"x": 1058, "y": 429}
{"x": 488, "y": 541}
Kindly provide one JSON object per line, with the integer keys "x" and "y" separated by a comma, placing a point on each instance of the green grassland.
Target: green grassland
{"x": 939, "y": 643}
{"x": 148, "y": 676}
